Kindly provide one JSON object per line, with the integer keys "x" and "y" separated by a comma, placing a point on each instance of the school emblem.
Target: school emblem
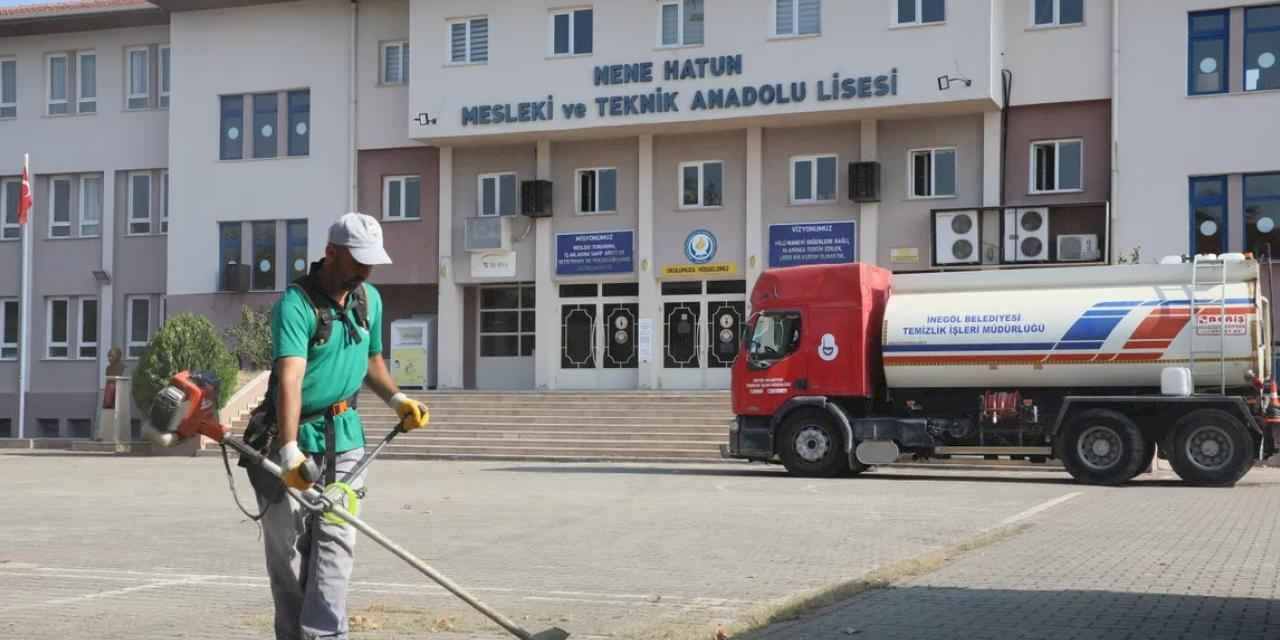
{"x": 700, "y": 246}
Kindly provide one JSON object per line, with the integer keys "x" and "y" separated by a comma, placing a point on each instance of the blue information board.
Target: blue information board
{"x": 579, "y": 254}
{"x": 792, "y": 245}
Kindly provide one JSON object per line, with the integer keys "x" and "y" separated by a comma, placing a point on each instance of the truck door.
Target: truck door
{"x": 772, "y": 369}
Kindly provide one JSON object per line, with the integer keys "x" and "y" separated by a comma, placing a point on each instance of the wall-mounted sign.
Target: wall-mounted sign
{"x": 699, "y": 270}
{"x": 700, "y": 246}
{"x": 661, "y": 99}
{"x": 905, "y": 255}
{"x": 498, "y": 264}
{"x": 580, "y": 254}
{"x": 792, "y": 245}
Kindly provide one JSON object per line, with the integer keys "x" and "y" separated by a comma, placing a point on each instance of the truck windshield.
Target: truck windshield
{"x": 775, "y": 335}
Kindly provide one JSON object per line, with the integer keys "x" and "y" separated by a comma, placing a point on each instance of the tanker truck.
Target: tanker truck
{"x": 846, "y": 366}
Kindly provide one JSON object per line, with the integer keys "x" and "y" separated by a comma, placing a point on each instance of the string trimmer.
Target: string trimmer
{"x": 187, "y": 408}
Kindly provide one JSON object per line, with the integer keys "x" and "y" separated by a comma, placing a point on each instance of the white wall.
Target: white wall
{"x": 384, "y": 108}
{"x": 1058, "y": 64}
{"x": 237, "y": 51}
{"x": 1164, "y": 136}
{"x": 857, "y": 40}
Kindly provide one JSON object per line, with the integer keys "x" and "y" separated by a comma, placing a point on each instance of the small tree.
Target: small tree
{"x": 251, "y": 336}
{"x": 185, "y": 342}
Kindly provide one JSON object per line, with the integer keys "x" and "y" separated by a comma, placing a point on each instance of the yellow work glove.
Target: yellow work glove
{"x": 413, "y": 414}
{"x": 294, "y": 464}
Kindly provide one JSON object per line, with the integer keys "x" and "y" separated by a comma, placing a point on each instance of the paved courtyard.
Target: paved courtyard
{"x": 154, "y": 548}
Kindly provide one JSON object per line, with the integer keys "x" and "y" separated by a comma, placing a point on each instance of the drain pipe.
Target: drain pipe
{"x": 1006, "y": 77}
{"x": 1115, "y": 124}
{"x": 352, "y": 109}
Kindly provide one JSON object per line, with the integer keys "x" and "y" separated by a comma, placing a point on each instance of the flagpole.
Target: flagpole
{"x": 24, "y": 349}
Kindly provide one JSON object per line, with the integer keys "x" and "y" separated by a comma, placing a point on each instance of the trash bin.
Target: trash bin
{"x": 413, "y": 353}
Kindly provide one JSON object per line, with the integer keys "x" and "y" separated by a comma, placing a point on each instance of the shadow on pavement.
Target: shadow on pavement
{"x": 972, "y": 614}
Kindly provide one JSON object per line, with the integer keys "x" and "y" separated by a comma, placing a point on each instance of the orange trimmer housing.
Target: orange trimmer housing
{"x": 200, "y": 417}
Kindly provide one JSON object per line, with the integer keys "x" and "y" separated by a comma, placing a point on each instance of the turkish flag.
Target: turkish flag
{"x": 24, "y": 199}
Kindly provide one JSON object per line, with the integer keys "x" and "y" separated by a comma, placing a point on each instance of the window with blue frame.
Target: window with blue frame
{"x": 228, "y": 247}
{"x": 300, "y": 122}
{"x": 232, "y": 143}
{"x": 1262, "y": 48}
{"x": 1209, "y": 214}
{"x": 1262, "y": 213}
{"x": 1207, "y": 45}
{"x": 296, "y": 248}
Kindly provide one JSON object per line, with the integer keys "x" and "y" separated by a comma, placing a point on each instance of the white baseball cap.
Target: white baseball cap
{"x": 362, "y": 235}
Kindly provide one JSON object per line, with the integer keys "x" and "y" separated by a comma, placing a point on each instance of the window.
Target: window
{"x": 680, "y": 23}
{"x": 469, "y": 40}
{"x": 165, "y": 73}
{"x": 164, "y": 201}
{"x": 571, "y": 32}
{"x": 139, "y": 203}
{"x": 1261, "y": 213}
{"x": 56, "y": 320}
{"x": 264, "y": 256}
{"x": 507, "y": 321}
{"x": 813, "y": 179}
{"x": 58, "y": 77}
{"x": 79, "y": 427}
{"x": 139, "y": 77}
{"x": 300, "y": 122}
{"x": 10, "y": 190}
{"x": 701, "y": 184}
{"x": 933, "y": 173}
{"x": 395, "y": 62}
{"x": 6, "y": 427}
{"x": 87, "y": 70}
{"x": 264, "y": 125}
{"x": 87, "y": 345}
{"x": 921, "y": 11}
{"x": 1057, "y": 166}
{"x": 139, "y": 323}
{"x": 228, "y": 244}
{"x": 47, "y": 427}
{"x": 8, "y": 88}
{"x": 296, "y": 248}
{"x": 797, "y": 17}
{"x": 1207, "y": 52}
{"x": 9, "y": 325}
{"x": 401, "y": 197}
{"x": 597, "y": 190}
{"x": 774, "y": 336}
{"x": 90, "y": 205}
{"x": 1261, "y": 48}
{"x": 60, "y": 206}
{"x": 1209, "y": 214}
{"x": 1048, "y": 13}
{"x": 231, "y": 146}
{"x": 497, "y": 194}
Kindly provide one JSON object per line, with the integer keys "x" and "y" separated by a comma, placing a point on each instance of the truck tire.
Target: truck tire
{"x": 1101, "y": 446}
{"x": 1148, "y": 457}
{"x": 1211, "y": 447}
{"x": 812, "y": 444}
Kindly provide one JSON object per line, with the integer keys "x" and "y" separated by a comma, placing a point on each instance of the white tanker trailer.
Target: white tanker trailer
{"x": 847, "y": 366}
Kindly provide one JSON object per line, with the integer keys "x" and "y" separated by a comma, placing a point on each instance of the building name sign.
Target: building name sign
{"x": 661, "y": 99}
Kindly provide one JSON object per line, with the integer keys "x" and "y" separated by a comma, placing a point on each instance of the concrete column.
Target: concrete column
{"x": 869, "y": 218}
{"x": 106, "y": 292}
{"x": 449, "y": 340}
{"x": 650, "y": 309}
{"x": 991, "y": 167}
{"x": 756, "y": 259}
{"x": 546, "y": 316}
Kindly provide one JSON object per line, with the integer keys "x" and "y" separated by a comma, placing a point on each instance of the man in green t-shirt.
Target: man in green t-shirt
{"x": 327, "y": 341}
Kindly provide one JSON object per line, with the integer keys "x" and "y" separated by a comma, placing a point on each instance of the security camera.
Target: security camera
{"x": 944, "y": 82}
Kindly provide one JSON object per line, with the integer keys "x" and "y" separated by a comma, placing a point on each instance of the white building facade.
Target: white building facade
{"x": 582, "y": 195}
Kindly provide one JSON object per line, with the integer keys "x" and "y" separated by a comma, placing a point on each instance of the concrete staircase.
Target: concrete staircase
{"x": 565, "y": 426}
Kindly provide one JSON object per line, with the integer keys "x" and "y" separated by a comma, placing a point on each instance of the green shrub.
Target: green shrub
{"x": 251, "y": 336}
{"x": 185, "y": 342}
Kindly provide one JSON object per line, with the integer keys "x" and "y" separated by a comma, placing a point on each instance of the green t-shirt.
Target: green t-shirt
{"x": 335, "y": 369}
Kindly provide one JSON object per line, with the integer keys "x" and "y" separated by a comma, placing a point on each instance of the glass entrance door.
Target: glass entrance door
{"x": 598, "y": 338}
{"x": 701, "y": 333}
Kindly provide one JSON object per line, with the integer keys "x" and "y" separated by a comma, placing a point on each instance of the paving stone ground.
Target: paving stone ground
{"x": 100, "y": 547}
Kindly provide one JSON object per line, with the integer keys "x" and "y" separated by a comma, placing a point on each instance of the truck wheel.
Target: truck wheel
{"x": 1100, "y": 446}
{"x": 1211, "y": 447}
{"x": 812, "y": 444}
{"x": 1148, "y": 456}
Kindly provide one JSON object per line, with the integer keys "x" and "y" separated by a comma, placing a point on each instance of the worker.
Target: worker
{"x": 327, "y": 341}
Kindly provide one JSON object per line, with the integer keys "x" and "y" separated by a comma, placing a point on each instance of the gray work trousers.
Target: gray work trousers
{"x": 309, "y": 561}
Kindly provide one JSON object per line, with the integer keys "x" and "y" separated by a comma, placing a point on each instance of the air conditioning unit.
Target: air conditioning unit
{"x": 535, "y": 198}
{"x": 957, "y": 238}
{"x": 488, "y": 233}
{"x": 235, "y": 277}
{"x": 864, "y": 181}
{"x": 1026, "y": 235}
{"x": 1080, "y": 247}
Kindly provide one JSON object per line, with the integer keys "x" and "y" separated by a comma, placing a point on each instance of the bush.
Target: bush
{"x": 186, "y": 341}
{"x": 251, "y": 336}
